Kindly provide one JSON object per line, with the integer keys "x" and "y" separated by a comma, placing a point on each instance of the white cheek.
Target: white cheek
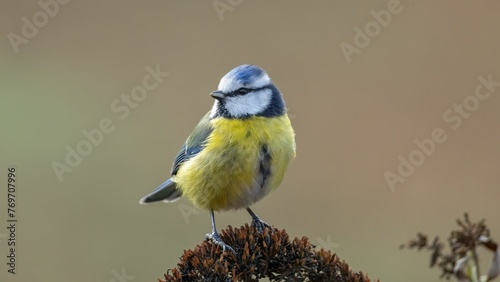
{"x": 250, "y": 104}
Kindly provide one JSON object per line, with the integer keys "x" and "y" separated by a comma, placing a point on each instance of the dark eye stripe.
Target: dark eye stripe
{"x": 245, "y": 92}
{"x": 242, "y": 91}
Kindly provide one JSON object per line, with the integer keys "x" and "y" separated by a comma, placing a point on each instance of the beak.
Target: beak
{"x": 217, "y": 95}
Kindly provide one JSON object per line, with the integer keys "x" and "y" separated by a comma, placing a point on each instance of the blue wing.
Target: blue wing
{"x": 195, "y": 143}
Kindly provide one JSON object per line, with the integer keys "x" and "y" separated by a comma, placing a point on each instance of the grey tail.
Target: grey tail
{"x": 166, "y": 192}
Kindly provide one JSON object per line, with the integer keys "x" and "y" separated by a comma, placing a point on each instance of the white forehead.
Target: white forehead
{"x": 247, "y": 76}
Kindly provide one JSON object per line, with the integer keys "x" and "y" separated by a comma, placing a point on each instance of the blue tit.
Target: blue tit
{"x": 237, "y": 153}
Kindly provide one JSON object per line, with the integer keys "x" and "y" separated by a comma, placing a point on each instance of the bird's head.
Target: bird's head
{"x": 247, "y": 91}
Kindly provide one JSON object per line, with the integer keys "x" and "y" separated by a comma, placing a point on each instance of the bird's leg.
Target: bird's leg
{"x": 257, "y": 222}
{"x": 215, "y": 237}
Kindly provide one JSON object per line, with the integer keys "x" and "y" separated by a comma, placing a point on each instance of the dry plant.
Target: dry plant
{"x": 270, "y": 254}
{"x": 462, "y": 261}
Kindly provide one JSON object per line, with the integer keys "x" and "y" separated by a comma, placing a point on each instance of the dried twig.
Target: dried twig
{"x": 462, "y": 261}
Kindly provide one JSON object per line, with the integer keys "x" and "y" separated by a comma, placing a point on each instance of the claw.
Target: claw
{"x": 215, "y": 237}
{"x": 260, "y": 225}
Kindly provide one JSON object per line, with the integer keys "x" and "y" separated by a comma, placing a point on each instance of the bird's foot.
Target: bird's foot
{"x": 215, "y": 237}
{"x": 260, "y": 225}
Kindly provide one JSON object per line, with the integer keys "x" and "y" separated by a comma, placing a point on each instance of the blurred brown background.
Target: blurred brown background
{"x": 352, "y": 120}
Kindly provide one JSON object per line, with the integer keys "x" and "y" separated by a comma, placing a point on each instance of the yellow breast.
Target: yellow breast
{"x": 227, "y": 173}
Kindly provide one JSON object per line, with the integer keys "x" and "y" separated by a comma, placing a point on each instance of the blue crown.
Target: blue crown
{"x": 245, "y": 74}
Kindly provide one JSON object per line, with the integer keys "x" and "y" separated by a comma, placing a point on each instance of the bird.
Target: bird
{"x": 237, "y": 153}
